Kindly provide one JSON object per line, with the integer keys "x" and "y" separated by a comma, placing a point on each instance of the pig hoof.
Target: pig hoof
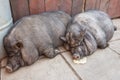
{"x": 105, "y": 46}
{"x": 57, "y": 51}
{"x": 8, "y": 69}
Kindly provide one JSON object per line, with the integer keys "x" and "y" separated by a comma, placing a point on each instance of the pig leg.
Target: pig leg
{"x": 101, "y": 40}
{"x": 29, "y": 53}
{"x": 103, "y": 45}
{"x": 50, "y": 52}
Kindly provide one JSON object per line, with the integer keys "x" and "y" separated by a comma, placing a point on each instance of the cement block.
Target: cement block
{"x": 116, "y": 36}
{"x": 102, "y": 65}
{"x": 115, "y": 45}
{"x": 44, "y": 69}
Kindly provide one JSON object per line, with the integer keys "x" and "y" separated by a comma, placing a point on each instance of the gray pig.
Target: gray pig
{"x": 95, "y": 24}
{"x": 33, "y": 36}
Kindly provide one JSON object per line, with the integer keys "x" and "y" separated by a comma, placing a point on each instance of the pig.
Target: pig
{"x": 86, "y": 45}
{"x": 34, "y": 36}
{"x": 88, "y": 31}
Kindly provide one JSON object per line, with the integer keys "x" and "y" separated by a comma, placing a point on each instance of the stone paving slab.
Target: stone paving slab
{"x": 116, "y": 36}
{"x": 102, "y": 65}
{"x": 45, "y": 69}
{"x": 115, "y": 45}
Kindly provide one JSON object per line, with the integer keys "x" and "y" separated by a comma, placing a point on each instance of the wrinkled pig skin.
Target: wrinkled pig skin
{"x": 33, "y": 36}
{"x": 93, "y": 24}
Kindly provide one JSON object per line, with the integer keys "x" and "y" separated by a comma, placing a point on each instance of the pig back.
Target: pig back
{"x": 97, "y": 21}
{"x": 56, "y": 26}
{"x": 42, "y": 30}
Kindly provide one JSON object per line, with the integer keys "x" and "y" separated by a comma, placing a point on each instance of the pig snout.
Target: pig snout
{"x": 76, "y": 56}
{"x": 12, "y": 67}
{"x": 9, "y": 68}
{"x": 14, "y": 63}
{"x": 75, "y": 53}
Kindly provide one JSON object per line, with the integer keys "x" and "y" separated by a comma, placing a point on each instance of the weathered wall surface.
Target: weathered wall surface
{"x": 22, "y": 8}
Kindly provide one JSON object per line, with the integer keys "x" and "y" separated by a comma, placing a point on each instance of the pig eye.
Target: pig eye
{"x": 10, "y": 55}
{"x": 18, "y": 54}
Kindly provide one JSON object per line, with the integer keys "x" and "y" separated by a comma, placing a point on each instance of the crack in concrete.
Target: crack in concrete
{"x": 114, "y": 40}
{"x": 71, "y": 67}
{"x": 114, "y": 51}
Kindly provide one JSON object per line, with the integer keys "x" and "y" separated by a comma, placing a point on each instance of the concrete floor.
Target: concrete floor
{"x": 104, "y": 64}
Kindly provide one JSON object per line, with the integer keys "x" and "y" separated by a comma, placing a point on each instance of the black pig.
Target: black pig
{"x": 93, "y": 24}
{"x": 33, "y": 36}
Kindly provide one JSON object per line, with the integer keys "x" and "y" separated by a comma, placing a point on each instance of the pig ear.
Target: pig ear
{"x": 72, "y": 41}
{"x": 82, "y": 34}
{"x": 67, "y": 36}
{"x": 19, "y": 44}
{"x": 63, "y": 39}
{"x": 5, "y": 40}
